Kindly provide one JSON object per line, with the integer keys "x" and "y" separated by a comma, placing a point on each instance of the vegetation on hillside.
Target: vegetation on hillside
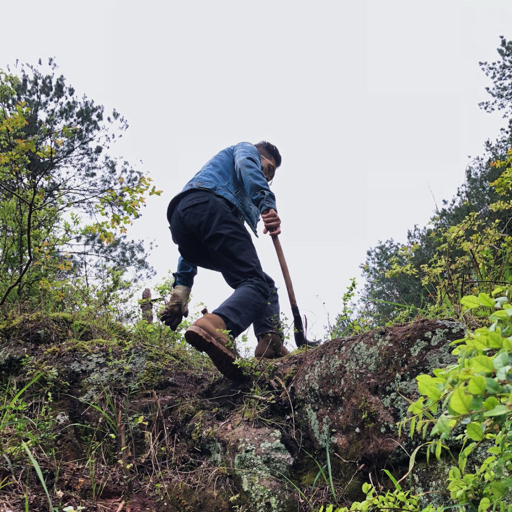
{"x": 67, "y": 270}
{"x": 465, "y": 248}
{"x": 65, "y": 204}
{"x": 460, "y": 266}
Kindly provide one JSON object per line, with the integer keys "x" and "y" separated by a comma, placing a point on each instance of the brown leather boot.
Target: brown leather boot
{"x": 208, "y": 334}
{"x": 270, "y": 346}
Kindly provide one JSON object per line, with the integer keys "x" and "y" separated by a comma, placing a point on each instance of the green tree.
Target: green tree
{"x": 500, "y": 72}
{"x": 459, "y": 248}
{"x": 385, "y": 295}
{"x": 65, "y": 203}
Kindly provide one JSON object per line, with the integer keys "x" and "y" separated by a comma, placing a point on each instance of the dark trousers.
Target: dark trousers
{"x": 209, "y": 234}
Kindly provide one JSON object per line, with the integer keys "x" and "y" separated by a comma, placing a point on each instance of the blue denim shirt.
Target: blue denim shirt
{"x": 236, "y": 173}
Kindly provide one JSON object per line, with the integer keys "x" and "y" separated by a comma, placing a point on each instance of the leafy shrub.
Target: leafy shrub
{"x": 471, "y": 401}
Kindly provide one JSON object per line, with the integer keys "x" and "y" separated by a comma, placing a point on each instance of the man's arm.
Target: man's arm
{"x": 185, "y": 274}
{"x": 248, "y": 168}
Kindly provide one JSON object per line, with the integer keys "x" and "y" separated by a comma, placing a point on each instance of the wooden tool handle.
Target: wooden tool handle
{"x": 284, "y": 268}
{"x": 300, "y": 340}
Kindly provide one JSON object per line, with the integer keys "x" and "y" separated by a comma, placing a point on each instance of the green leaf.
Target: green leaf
{"x": 433, "y": 407}
{"x": 456, "y": 342}
{"x": 427, "y": 385}
{"x": 367, "y": 487}
{"x": 475, "y": 432}
{"x": 499, "y": 410}
{"x": 485, "y": 300}
{"x": 480, "y": 342}
{"x": 443, "y": 425}
{"x": 484, "y": 505}
{"x": 455, "y": 473}
{"x": 463, "y": 458}
{"x": 494, "y": 340}
{"x": 493, "y": 386}
{"x": 416, "y": 407}
{"x": 500, "y": 360}
{"x": 490, "y": 403}
{"x": 393, "y": 479}
{"x": 499, "y": 315}
{"x": 413, "y": 457}
{"x": 476, "y": 385}
{"x": 470, "y": 301}
{"x": 498, "y": 290}
{"x": 478, "y": 402}
{"x": 502, "y": 372}
{"x": 482, "y": 364}
{"x": 460, "y": 402}
{"x": 439, "y": 447}
{"x": 39, "y": 472}
{"x": 488, "y": 461}
{"x": 498, "y": 489}
{"x": 469, "y": 449}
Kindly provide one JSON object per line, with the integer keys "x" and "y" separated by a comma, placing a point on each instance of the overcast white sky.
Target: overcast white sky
{"x": 373, "y": 105}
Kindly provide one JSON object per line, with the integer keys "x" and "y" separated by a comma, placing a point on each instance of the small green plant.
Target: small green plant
{"x": 39, "y": 474}
{"x": 471, "y": 401}
{"x": 9, "y": 410}
{"x": 5, "y": 482}
{"x": 164, "y": 287}
{"x": 350, "y": 321}
{"x": 25, "y": 416}
{"x": 397, "y": 499}
{"x": 392, "y": 500}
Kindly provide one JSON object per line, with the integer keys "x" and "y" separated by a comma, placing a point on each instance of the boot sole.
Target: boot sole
{"x": 221, "y": 357}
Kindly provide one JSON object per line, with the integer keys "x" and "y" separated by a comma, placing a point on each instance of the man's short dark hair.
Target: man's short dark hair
{"x": 269, "y": 150}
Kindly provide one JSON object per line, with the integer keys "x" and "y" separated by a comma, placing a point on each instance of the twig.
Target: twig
{"x": 346, "y": 461}
{"x": 157, "y": 401}
{"x": 121, "y": 427}
{"x": 353, "y": 476}
{"x": 291, "y": 405}
{"x": 258, "y": 397}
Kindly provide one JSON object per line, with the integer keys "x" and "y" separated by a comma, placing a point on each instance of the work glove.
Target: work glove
{"x": 176, "y": 308}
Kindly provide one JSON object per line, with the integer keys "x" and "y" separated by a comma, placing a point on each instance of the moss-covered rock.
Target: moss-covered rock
{"x": 352, "y": 392}
{"x": 261, "y": 465}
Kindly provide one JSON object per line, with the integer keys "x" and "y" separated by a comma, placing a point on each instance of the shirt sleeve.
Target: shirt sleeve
{"x": 185, "y": 274}
{"x": 250, "y": 172}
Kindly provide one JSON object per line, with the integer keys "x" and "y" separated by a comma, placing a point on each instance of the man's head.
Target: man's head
{"x": 270, "y": 158}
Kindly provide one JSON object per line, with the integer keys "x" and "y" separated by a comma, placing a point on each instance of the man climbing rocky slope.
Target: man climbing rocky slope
{"x": 207, "y": 223}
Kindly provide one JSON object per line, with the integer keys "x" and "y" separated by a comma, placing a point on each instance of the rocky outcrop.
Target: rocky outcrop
{"x": 350, "y": 392}
{"x": 173, "y": 434}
